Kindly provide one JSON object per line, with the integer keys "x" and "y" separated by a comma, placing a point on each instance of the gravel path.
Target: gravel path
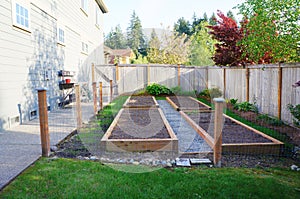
{"x": 188, "y": 138}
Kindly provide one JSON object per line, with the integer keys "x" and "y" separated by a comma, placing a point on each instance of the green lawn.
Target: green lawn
{"x": 67, "y": 178}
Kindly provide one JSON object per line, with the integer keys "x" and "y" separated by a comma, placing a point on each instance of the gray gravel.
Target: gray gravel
{"x": 188, "y": 138}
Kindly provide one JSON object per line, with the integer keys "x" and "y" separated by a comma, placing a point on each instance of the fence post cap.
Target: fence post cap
{"x": 41, "y": 89}
{"x": 219, "y": 100}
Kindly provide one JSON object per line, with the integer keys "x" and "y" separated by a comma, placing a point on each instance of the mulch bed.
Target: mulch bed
{"x": 184, "y": 102}
{"x": 140, "y": 101}
{"x": 139, "y": 124}
{"x": 292, "y": 133}
{"x": 231, "y": 132}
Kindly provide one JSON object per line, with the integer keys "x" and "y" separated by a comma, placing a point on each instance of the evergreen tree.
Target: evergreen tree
{"x": 230, "y": 15}
{"x": 135, "y": 37}
{"x": 154, "y": 40}
{"x": 205, "y": 18}
{"x": 202, "y": 46}
{"x": 182, "y": 26}
{"x": 212, "y": 20}
{"x": 116, "y": 39}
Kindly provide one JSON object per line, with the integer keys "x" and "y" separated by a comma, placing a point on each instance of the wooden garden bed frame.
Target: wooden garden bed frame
{"x": 140, "y": 145}
{"x": 273, "y": 147}
{"x": 206, "y": 107}
{"x": 126, "y": 105}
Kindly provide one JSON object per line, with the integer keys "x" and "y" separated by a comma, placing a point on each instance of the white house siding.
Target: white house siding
{"x": 25, "y": 57}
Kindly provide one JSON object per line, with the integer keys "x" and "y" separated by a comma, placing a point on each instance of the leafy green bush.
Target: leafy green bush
{"x": 270, "y": 120}
{"x": 245, "y": 106}
{"x": 178, "y": 91}
{"x": 157, "y": 89}
{"x": 233, "y": 101}
{"x": 212, "y": 93}
{"x": 295, "y": 111}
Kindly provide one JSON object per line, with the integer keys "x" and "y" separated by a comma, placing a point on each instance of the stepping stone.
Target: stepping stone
{"x": 183, "y": 162}
{"x": 200, "y": 161}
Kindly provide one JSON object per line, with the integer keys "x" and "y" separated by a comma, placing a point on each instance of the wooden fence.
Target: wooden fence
{"x": 268, "y": 86}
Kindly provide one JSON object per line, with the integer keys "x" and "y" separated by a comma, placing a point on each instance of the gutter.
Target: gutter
{"x": 102, "y": 6}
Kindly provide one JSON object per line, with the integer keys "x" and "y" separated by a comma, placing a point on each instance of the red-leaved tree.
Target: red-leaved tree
{"x": 227, "y": 32}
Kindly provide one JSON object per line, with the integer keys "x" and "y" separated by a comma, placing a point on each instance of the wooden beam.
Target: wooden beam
{"x": 100, "y": 95}
{"x": 218, "y": 126}
{"x": 78, "y": 106}
{"x": 111, "y": 90}
{"x": 43, "y": 116}
{"x": 93, "y": 73}
{"x": 95, "y": 97}
{"x": 178, "y": 74}
{"x": 279, "y": 91}
{"x": 247, "y": 83}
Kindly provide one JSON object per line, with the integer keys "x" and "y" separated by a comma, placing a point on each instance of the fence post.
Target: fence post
{"x": 148, "y": 74}
{"x": 218, "y": 126}
{"x": 78, "y": 106}
{"x": 100, "y": 96}
{"x": 279, "y": 90}
{"x": 44, "y": 128}
{"x": 224, "y": 82}
{"x": 93, "y": 72}
{"x": 206, "y": 78}
{"x": 95, "y": 97}
{"x": 247, "y": 83}
{"x": 111, "y": 90}
{"x": 178, "y": 74}
{"x": 117, "y": 72}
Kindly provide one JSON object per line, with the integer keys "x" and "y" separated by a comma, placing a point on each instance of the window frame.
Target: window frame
{"x": 84, "y": 6}
{"x": 61, "y": 27}
{"x": 23, "y": 4}
{"x": 98, "y": 17}
{"x": 84, "y": 47}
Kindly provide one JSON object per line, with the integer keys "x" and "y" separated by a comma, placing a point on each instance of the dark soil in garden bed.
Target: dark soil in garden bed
{"x": 232, "y": 132}
{"x": 136, "y": 101}
{"x": 292, "y": 133}
{"x": 139, "y": 124}
{"x": 184, "y": 102}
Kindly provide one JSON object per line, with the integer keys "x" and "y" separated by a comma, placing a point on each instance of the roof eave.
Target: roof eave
{"x": 102, "y": 6}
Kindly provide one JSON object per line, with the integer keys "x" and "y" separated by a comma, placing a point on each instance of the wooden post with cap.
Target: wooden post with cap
{"x": 78, "y": 106}
{"x": 100, "y": 96}
{"x": 218, "y": 126}
{"x": 43, "y": 117}
{"x": 111, "y": 90}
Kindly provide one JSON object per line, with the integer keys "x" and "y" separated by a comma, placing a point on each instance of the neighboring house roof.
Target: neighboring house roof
{"x": 102, "y": 6}
{"x": 122, "y": 52}
{"x": 107, "y": 50}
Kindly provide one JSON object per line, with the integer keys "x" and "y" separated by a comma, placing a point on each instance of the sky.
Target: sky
{"x": 153, "y": 13}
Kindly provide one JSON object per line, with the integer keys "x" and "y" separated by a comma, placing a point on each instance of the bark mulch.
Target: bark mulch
{"x": 139, "y": 124}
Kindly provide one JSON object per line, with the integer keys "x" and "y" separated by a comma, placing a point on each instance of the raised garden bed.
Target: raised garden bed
{"x": 140, "y": 130}
{"x": 236, "y": 136}
{"x": 140, "y": 102}
{"x": 186, "y": 103}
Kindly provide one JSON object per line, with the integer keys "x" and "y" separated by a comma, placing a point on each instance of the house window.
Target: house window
{"x": 60, "y": 35}
{"x": 84, "y": 6}
{"x": 21, "y": 14}
{"x": 98, "y": 17}
{"x": 84, "y": 47}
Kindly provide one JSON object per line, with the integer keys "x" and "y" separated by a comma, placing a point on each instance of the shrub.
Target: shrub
{"x": 245, "y": 106}
{"x": 270, "y": 120}
{"x": 295, "y": 111}
{"x": 212, "y": 93}
{"x": 178, "y": 91}
{"x": 157, "y": 89}
{"x": 233, "y": 101}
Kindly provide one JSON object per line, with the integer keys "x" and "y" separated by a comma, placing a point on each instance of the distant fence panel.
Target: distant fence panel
{"x": 236, "y": 84}
{"x": 215, "y": 78}
{"x": 264, "y": 89}
{"x": 270, "y": 86}
{"x": 164, "y": 75}
{"x": 290, "y": 95}
{"x": 200, "y": 78}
